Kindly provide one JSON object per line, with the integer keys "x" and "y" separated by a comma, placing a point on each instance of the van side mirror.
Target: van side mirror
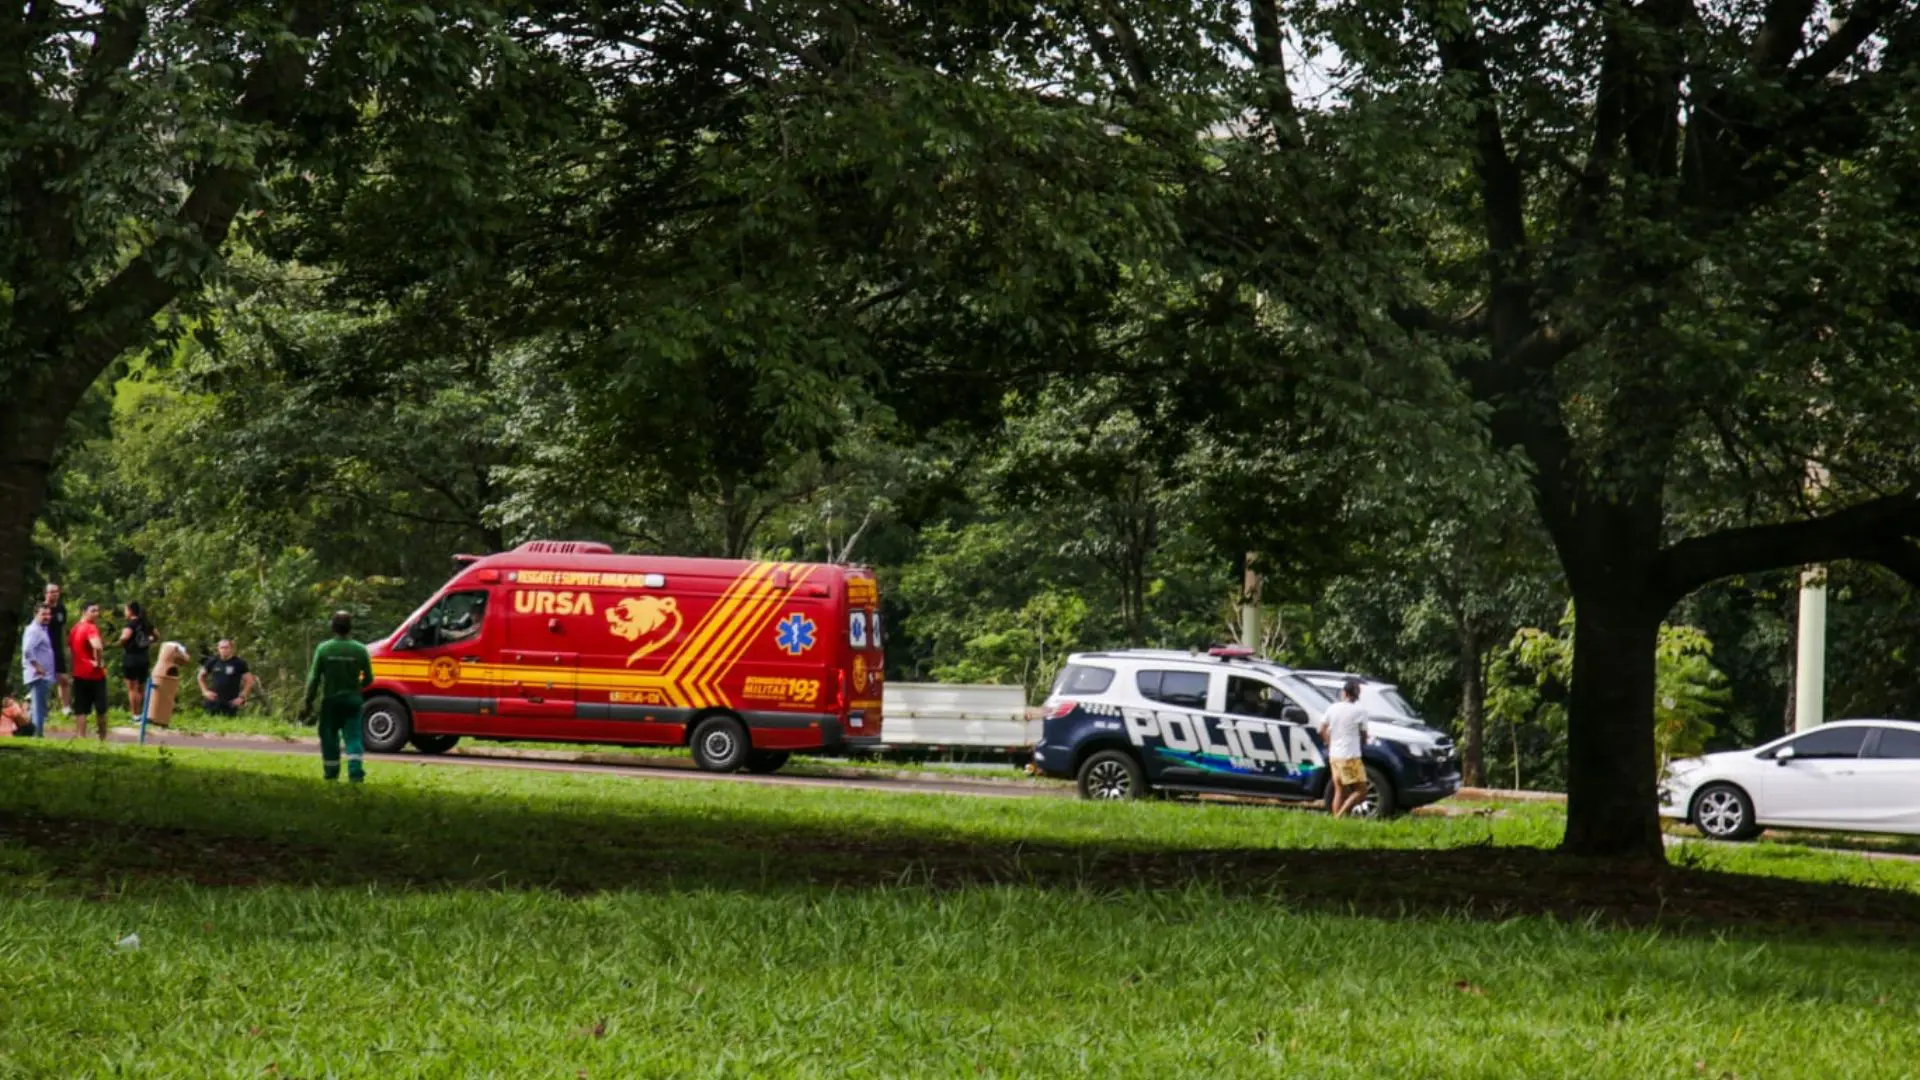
{"x": 1294, "y": 714}
{"x": 1783, "y": 755}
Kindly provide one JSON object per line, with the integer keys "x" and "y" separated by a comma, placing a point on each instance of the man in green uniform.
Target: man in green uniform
{"x": 341, "y": 672}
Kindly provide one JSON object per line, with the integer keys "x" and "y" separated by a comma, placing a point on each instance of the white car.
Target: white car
{"x": 1379, "y": 697}
{"x": 1848, "y": 776}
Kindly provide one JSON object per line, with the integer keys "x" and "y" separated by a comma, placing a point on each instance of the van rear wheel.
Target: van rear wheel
{"x": 385, "y": 725}
{"x": 720, "y": 744}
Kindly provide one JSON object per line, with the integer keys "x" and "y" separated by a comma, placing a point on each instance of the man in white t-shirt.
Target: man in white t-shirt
{"x": 1344, "y": 729}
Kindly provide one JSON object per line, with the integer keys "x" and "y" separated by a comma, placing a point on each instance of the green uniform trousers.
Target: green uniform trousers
{"x": 339, "y": 718}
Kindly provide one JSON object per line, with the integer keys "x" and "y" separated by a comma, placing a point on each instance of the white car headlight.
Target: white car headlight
{"x": 1678, "y": 769}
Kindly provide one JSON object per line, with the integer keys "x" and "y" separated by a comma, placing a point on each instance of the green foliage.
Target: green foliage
{"x": 1530, "y": 679}
{"x": 697, "y": 927}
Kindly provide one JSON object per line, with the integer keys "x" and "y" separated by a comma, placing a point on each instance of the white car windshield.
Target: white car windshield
{"x": 1393, "y": 698}
{"x": 1307, "y": 693}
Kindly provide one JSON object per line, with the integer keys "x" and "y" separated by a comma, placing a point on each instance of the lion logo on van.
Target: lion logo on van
{"x": 651, "y": 620}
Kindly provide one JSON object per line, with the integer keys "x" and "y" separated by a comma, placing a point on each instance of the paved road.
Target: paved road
{"x": 489, "y": 757}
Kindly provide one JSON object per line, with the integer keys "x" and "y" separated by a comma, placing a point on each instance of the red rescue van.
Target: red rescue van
{"x": 744, "y": 662}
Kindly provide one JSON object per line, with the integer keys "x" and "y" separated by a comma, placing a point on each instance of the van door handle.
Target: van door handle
{"x": 469, "y": 659}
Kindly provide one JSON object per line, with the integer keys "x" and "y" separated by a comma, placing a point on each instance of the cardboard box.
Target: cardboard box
{"x": 161, "y": 691}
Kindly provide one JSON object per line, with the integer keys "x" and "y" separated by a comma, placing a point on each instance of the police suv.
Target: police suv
{"x": 1222, "y": 722}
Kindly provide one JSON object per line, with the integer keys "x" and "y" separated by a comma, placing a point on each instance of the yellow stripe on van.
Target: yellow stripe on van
{"x": 715, "y": 647}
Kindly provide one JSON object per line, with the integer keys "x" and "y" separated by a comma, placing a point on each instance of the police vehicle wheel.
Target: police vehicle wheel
{"x": 1379, "y": 803}
{"x": 1724, "y": 812}
{"x": 720, "y": 744}
{"x": 434, "y": 744}
{"x": 1112, "y": 774}
{"x": 385, "y": 725}
{"x": 766, "y": 761}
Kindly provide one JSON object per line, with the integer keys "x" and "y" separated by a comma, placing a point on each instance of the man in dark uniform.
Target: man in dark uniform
{"x": 226, "y": 682}
{"x": 57, "y": 629}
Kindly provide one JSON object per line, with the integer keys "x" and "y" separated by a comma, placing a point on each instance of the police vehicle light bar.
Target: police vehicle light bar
{"x": 1230, "y": 652}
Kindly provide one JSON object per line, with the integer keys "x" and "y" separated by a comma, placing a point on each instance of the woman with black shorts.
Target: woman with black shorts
{"x": 136, "y": 656}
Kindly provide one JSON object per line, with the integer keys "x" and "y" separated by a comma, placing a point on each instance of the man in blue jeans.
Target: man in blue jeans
{"x": 37, "y": 665}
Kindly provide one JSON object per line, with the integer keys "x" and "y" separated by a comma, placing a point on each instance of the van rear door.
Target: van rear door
{"x": 865, "y": 672}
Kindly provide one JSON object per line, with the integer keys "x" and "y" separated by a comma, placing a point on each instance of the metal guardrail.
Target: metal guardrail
{"x": 958, "y": 716}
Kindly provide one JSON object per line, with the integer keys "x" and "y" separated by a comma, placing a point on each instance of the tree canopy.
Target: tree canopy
{"x": 1322, "y": 287}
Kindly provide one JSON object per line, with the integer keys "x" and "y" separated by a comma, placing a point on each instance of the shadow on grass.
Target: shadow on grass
{"x": 91, "y": 823}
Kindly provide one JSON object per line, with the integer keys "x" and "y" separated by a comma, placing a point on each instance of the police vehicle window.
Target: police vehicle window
{"x": 1252, "y": 697}
{"x": 1830, "y": 743}
{"x": 1895, "y": 743}
{"x": 457, "y": 617}
{"x": 1185, "y": 689}
{"x": 1077, "y": 680}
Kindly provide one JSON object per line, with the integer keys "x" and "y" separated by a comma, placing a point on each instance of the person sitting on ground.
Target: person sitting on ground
{"x": 226, "y": 683}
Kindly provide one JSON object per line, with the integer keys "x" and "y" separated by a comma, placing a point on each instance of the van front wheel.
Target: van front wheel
{"x": 720, "y": 744}
{"x": 385, "y": 725}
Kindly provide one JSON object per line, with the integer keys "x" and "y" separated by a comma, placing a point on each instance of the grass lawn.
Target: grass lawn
{"x": 195, "y": 722}
{"x": 466, "y": 922}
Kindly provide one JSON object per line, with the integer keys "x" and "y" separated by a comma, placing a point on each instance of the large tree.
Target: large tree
{"x": 136, "y": 135}
{"x": 1667, "y": 249}
{"x": 1693, "y": 239}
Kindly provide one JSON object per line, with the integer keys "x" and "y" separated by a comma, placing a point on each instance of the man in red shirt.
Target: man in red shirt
{"x": 89, "y": 673}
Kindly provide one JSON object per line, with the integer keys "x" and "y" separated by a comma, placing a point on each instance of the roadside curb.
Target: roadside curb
{"x": 593, "y": 757}
{"x": 1510, "y": 795}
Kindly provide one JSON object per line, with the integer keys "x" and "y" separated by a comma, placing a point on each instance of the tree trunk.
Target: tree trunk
{"x": 1473, "y": 708}
{"x": 24, "y": 469}
{"x": 1612, "y": 808}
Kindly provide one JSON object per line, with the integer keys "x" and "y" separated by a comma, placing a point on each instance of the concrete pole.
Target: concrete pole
{"x": 1810, "y": 666}
{"x": 1250, "y": 607}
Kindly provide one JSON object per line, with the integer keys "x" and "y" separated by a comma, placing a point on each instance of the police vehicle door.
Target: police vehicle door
{"x": 1277, "y": 754}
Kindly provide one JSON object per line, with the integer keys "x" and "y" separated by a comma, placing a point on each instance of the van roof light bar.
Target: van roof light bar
{"x": 564, "y": 547}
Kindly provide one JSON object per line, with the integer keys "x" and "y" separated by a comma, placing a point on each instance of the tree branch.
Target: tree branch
{"x": 1139, "y": 68}
{"x": 1781, "y": 34}
{"x": 1269, "y": 57}
{"x": 1841, "y": 45}
{"x": 118, "y": 314}
{"x": 1879, "y": 530}
{"x": 1500, "y": 180}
